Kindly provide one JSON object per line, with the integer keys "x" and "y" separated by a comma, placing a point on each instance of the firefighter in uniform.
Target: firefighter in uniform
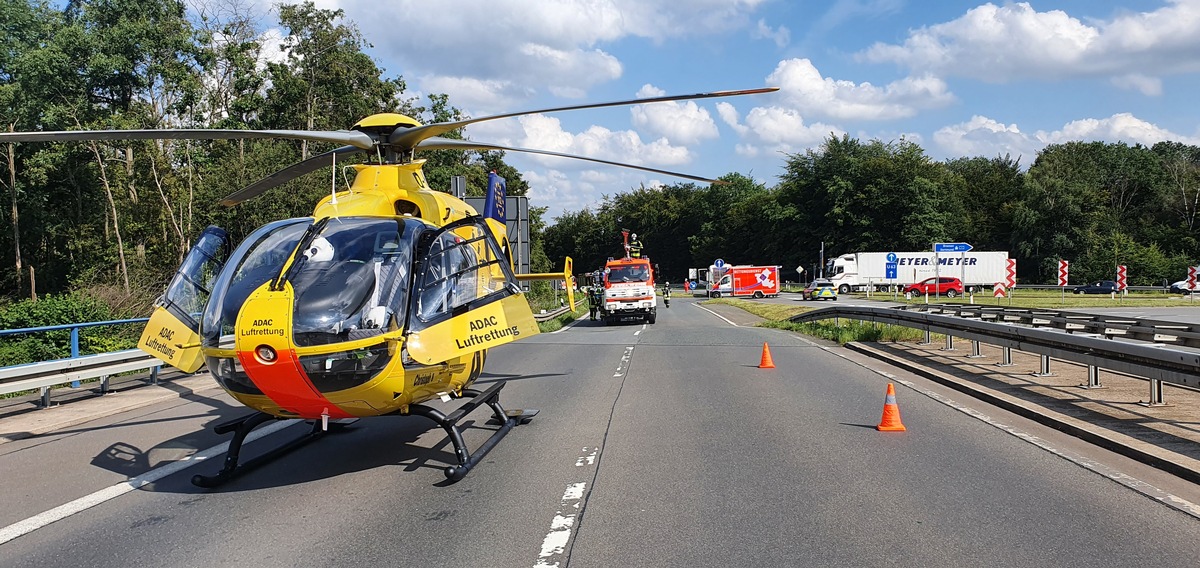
{"x": 635, "y": 247}
{"x": 594, "y": 296}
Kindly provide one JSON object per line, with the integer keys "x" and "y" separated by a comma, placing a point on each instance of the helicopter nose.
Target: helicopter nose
{"x": 265, "y": 348}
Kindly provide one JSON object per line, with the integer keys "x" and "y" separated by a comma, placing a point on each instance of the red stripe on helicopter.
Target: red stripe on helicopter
{"x": 286, "y": 384}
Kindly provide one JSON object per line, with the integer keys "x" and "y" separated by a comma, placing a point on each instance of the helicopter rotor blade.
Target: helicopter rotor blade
{"x": 411, "y": 138}
{"x": 437, "y": 143}
{"x": 352, "y": 137}
{"x": 287, "y": 174}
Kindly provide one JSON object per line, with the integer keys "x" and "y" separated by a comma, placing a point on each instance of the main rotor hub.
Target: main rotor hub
{"x": 383, "y": 124}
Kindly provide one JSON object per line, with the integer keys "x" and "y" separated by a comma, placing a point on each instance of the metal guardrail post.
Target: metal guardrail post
{"x": 1093, "y": 378}
{"x": 1005, "y": 357}
{"x": 74, "y": 351}
{"x": 976, "y": 352}
{"x": 928, "y": 338}
{"x": 1156, "y": 394}
{"x": 1044, "y": 368}
{"x": 949, "y": 342}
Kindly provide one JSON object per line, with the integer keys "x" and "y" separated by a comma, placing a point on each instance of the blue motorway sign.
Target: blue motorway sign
{"x": 891, "y": 257}
{"x": 951, "y": 247}
{"x": 890, "y": 270}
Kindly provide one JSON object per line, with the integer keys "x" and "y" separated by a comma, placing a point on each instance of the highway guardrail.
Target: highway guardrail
{"x": 1154, "y": 350}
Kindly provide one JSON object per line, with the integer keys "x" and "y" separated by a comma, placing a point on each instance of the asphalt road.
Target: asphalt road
{"x": 658, "y": 445}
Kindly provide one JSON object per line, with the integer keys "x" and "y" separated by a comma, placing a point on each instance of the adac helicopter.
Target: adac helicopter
{"x": 388, "y": 297}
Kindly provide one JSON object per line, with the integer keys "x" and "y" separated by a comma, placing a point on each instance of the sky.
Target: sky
{"x": 961, "y": 79}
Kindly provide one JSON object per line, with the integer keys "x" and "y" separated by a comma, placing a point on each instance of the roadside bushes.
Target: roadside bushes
{"x": 61, "y": 309}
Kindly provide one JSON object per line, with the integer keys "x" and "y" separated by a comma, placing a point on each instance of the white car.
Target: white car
{"x": 1181, "y": 287}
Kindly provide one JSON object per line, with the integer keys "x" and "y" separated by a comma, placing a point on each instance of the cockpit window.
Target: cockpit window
{"x": 352, "y": 279}
{"x": 258, "y": 259}
{"x": 462, "y": 267}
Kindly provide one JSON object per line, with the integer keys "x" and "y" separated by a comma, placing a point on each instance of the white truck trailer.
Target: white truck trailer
{"x": 978, "y": 270}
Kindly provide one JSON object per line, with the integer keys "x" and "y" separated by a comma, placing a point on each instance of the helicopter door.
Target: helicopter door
{"x": 465, "y": 298}
{"x": 172, "y": 334}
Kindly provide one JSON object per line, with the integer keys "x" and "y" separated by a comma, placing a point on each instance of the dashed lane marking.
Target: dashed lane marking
{"x": 624, "y": 366}
{"x": 554, "y": 546}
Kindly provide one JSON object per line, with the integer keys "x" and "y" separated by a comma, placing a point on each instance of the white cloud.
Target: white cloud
{"x": 781, "y": 35}
{"x": 1122, "y": 127}
{"x": 730, "y": 116}
{"x": 802, "y": 86}
{"x": 471, "y": 92}
{"x": 1149, "y": 86}
{"x": 784, "y": 130}
{"x": 682, "y": 122}
{"x": 983, "y": 136}
{"x": 1012, "y": 42}
{"x": 551, "y": 44}
{"x": 546, "y": 133}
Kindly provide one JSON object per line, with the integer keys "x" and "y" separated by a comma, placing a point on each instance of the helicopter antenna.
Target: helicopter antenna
{"x": 333, "y": 182}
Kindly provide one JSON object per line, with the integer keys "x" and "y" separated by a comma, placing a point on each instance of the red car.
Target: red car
{"x": 946, "y": 286}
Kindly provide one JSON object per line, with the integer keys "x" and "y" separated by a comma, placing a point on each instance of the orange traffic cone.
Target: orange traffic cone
{"x": 891, "y": 413}
{"x": 766, "y": 362}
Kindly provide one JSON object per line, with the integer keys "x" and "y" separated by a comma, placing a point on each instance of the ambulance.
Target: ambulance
{"x": 746, "y": 281}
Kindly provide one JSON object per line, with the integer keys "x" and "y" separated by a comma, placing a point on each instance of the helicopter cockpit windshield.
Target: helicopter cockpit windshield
{"x": 257, "y": 260}
{"x": 352, "y": 279}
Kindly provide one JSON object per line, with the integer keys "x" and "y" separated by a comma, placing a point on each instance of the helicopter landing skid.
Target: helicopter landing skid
{"x": 241, "y": 427}
{"x": 491, "y": 397}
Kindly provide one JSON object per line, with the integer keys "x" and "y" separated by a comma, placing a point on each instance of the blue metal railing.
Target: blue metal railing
{"x": 74, "y": 327}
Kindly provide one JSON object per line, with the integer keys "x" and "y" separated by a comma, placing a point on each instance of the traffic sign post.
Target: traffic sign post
{"x": 952, "y": 247}
{"x": 1063, "y": 269}
{"x": 1121, "y": 276}
{"x": 1191, "y": 281}
{"x": 1010, "y": 278}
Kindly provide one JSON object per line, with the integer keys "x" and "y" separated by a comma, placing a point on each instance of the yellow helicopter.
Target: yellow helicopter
{"x": 388, "y": 297}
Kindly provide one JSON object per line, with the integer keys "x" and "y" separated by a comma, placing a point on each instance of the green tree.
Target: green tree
{"x": 988, "y": 188}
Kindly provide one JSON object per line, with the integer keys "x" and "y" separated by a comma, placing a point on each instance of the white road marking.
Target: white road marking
{"x": 624, "y": 361}
{"x": 587, "y": 459}
{"x": 40, "y": 520}
{"x": 556, "y": 541}
{"x": 716, "y": 314}
{"x": 566, "y": 327}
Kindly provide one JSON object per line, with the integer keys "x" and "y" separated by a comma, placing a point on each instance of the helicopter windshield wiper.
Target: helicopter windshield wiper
{"x": 306, "y": 239}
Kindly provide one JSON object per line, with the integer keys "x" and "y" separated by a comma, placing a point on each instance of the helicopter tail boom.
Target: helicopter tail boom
{"x": 567, "y": 276}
